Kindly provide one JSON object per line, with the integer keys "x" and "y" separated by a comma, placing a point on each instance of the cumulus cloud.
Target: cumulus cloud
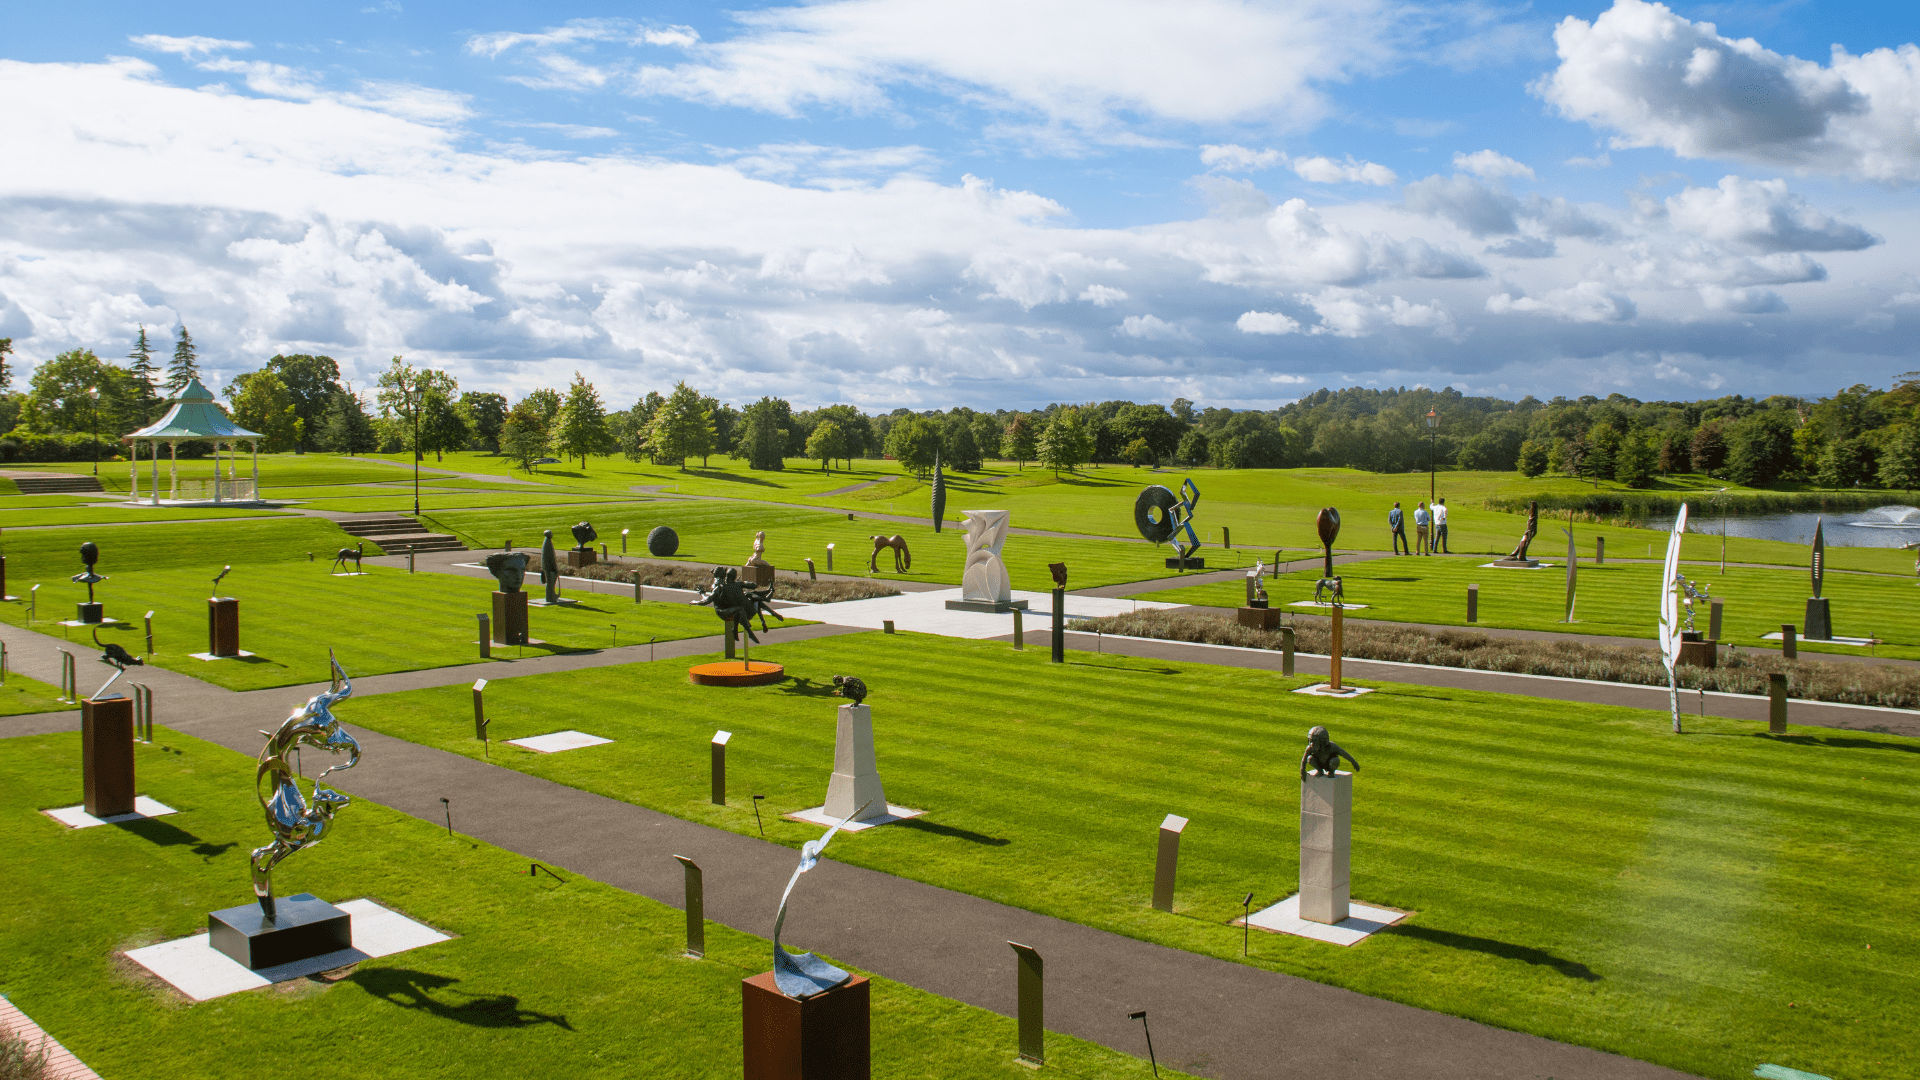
{"x": 1102, "y": 295}
{"x": 1491, "y": 165}
{"x": 188, "y": 47}
{"x": 1658, "y": 79}
{"x": 1587, "y": 302}
{"x": 1267, "y": 322}
{"x": 1232, "y": 157}
{"x": 1324, "y": 170}
{"x": 1745, "y": 301}
{"x": 1358, "y": 313}
{"x": 1762, "y": 215}
{"x": 1524, "y": 247}
{"x": 1151, "y": 328}
{"x": 1484, "y": 210}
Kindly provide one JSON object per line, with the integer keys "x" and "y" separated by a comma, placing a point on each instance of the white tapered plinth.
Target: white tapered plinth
{"x": 856, "y": 778}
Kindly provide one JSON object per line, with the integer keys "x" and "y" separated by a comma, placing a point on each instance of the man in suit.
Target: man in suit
{"x": 1397, "y": 523}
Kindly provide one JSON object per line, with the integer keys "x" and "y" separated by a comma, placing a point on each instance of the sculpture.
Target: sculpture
{"x": 902, "y": 558}
{"x": 939, "y": 494}
{"x": 116, "y": 657}
{"x": 1323, "y": 754}
{"x": 550, "y": 569}
{"x": 1519, "y": 554}
{"x": 295, "y": 821}
{"x": 352, "y": 554}
{"x": 89, "y": 555}
{"x": 1670, "y": 638}
{"x": 802, "y": 975}
{"x": 985, "y": 577}
{"x": 217, "y": 578}
{"x": 1818, "y": 625}
{"x": 1328, "y": 525}
{"x": 734, "y": 601}
{"x": 662, "y": 541}
{"x": 509, "y": 568}
{"x": 584, "y": 536}
{"x": 851, "y": 687}
{"x": 1332, "y": 585}
{"x": 1059, "y": 572}
{"x": 1175, "y": 517}
{"x": 1819, "y": 564}
{"x": 759, "y": 557}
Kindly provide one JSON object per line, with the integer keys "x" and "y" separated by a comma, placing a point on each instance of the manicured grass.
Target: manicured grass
{"x": 49, "y": 555}
{"x": 23, "y": 695}
{"x": 722, "y": 533}
{"x": 1575, "y": 871}
{"x": 389, "y": 620}
{"x": 451, "y": 500}
{"x": 22, "y": 502}
{"x": 1620, "y": 599}
{"x": 721, "y": 476}
{"x": 573, "y": 979}
{"x": 275, "y": 470}
{"x": 101, "y": 515}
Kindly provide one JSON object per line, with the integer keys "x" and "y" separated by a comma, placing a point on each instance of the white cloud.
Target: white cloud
{"x": 188, "y": 47}
{"x": 1524, "y": 247}
{"x": 827, "y": 166}
{"x": 1151, "y": 328}
{"x": 1661, "y": 80}
{"x": 1267, "y": 322}
{"x": 1358, "y": 313}
{"x": 1484, "y": 210}
{"x": 1324, "y": 170}
{"x": 1234, "y": 158}
{"x": 571, "y": 131}
{"x": 1587, "y": 302}
{"x": 1102, "y": 295}
{"x": 1598, "y": 161}
{"x": 1491, "y": 165}
{"x": 1746, "y": 301}
{"x": 1762, "y": 215}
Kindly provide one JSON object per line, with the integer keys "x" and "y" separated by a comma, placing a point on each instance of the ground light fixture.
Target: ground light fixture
{"x": 1142, "y": 1017}
{"x": 1246, "y": 925}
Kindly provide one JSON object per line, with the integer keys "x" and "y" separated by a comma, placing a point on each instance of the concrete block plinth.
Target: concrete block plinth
{"x": 1326, "y": 847}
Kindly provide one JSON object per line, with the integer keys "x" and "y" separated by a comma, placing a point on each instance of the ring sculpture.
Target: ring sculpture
{"x": 296, "y": 821}
{"x": 351, "y": 554}
{"x": 1175, "y": 517}
{"x": 902, "y": 558}
{"x": 1323, "y": 754}
{"x": 733, "y": 601}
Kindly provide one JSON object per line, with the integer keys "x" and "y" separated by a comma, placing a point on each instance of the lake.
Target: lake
{"x": 1883, "y": 526}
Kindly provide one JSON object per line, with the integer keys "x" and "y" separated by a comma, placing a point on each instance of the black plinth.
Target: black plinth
{"x": 96, "y": 612}
{"x": 304, "y": 926}
{"x": 510, "y": 618}
{"x": 1186, "y": 564}
{"x": 223, "y": 626}
{"x": 1819, "y": 623}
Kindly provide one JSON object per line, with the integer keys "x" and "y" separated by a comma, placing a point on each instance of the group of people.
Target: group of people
{"x": 1430, "y": 530}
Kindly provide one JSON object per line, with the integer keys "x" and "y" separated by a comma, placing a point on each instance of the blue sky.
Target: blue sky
{"x": 899, "y": 202}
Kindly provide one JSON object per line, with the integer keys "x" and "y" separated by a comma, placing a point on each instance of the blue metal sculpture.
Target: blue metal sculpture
{"x": 296, "y": 821}
{"x": 802, "y": 975}
{"x": 1175, "y": 516}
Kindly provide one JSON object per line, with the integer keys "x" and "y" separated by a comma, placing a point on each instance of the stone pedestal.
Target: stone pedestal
{"x": 4, "y": 595}
{"x": 1819, "y": 622}
{"x": 509, "y": 618}
{"x": 223, "y": 626}
{"x": 304, "y": 926}
{"x": 106, "y": 756}
{"x": 579, "y": 557}
{"x": 828, "y": 1036}
{"x": 1697, "y": 651}
{"x": 1326, "y": 847}
{"x": 759, "y": 577}
{"x": 1260, "y": 618}
{"x": 1524, "y": 564}
{"x": 97, "y": 612}
{"x": 856, "y": 778}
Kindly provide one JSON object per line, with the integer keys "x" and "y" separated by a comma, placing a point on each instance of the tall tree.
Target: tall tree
{"x": 6, "y": 369}
{"x": 1064, "y": 445}
{"x": 144, "y": 372}
{"x": 312, "y": 382}
{"x": 1900, "y": 461}
{"x": 681, "y": 428}
{"x": 914, "y": 442}
{"x": 826, "y": 443}
{"x": 262, "y": 403}
{"x": 484, "y": 414}
{"x": 442, "y": 427}
{"x": 763, "y": 442}
{"x": 1021, "y": 441}
{"x": 524, "y": 436}
{"x": 186, "y": 362}
{"x": 402, "y": 394}
{"x": 580, "y": 428}
{"x": 349, "y": 430}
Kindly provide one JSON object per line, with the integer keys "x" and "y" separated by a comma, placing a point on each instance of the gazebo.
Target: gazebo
{"x": 195, "y": 417}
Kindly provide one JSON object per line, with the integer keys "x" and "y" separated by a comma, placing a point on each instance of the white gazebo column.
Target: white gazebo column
{"x": 216, "y": 471}
{"x": 133, "y": 455}
{"x": 254, "y": 444}
{"x": 173, "y": 470}
{"x": 153, "y": 452}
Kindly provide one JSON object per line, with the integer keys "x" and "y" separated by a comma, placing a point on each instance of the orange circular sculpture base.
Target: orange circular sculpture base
{"x": 736, "y": 673}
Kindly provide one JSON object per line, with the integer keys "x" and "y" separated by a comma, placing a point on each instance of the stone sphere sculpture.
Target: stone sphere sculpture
{"x": 662, "y": 542}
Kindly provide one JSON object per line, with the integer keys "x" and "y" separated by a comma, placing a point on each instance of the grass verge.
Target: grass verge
{"x": 21, "y": 695}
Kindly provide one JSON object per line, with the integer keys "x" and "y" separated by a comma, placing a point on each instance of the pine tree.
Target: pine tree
{"x": 349, "y": 430}
{"x": 6, "y": 372}
{"x": 143, "y": 371}
{"x": 185, "y": 364}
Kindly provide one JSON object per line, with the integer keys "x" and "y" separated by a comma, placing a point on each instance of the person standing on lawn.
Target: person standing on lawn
{"x": 1420, "y": 530}
{"x": 1398, "y": 524}
{"x": 1440, "y": 527}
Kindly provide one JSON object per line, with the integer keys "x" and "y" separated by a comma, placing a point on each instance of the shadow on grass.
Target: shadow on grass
{"x": 416, "y": 990}
{"x": 937, "y": 829}
{"x": 801, "y": 686}
{"x": 1839, "y": 743}
{"x": 167, "y": 834}
{"x": 732, "y": 478}
{"x": 1570, "y": 968}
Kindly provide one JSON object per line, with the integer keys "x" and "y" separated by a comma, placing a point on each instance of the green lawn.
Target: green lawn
{"x": 291, "y": 613}
{"x": 275, "y": 470}
{"x": 1576, "y": 872}
{"x": 49, "y": 555}
{"x": 1616, "y": 598}
{"x": 23, "y": 502}
{"x": 23, "y": 695}
{"x": 573, "y": 979}
{"x": 102, "y": 515}
{"x": 716, "y": 532}
{"x": 397, "y": 502}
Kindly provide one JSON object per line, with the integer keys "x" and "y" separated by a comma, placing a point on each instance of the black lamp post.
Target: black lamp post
{"x": 1433, "y": 429}
{"x": 416, "y": 396}
{"x": 93, "y": 394}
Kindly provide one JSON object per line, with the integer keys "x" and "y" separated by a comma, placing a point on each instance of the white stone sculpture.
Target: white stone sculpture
{"x": 985, "y": 578}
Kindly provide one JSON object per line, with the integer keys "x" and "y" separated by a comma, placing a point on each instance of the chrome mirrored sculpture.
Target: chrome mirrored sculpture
{"x": 1163, "y": 517}
{"x": 1671, "y": 586}
{"x": 296, "y": 820}
{"x": 802, "y": 975}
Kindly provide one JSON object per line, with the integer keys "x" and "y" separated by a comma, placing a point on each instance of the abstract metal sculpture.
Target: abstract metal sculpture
{"x": 1818, "y": 624}
{"x": 1519, "y": 554}
{"x": 89, "y": 555}
{"x": 851, "y": 687}
{"x": 1175, "y": 516}
{"x": 509, "y": 568}
{"x": 296, "y": 821}
{"x": 1059, "y": 572}
{"x": 1323, "y": 754}
{"x": 116, "y": 657}
{"x": 1819, "y": 565}
{"x": 984, "y": 578}
{"x": 939, "y": 494}
{"x": 1670, "y": 633}
{"x": 662, "y": 541}
{"x": 549, "y": 568}
{"x": 736, "y": 602}
{"x": 346, "y": 555}
{"x": 1327, "y": 522}
{"x": 902, "y": 558}
{"x": 584, "y": 536}
{"x": 802, "y": 975}
{"x": 217, "y": 578}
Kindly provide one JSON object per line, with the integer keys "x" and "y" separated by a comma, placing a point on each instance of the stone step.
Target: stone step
{"x": 422, "y": 542}
{"x": 57, "y": 485}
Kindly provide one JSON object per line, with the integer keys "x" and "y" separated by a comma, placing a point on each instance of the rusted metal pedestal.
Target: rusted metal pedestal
{"x": 106, "y": 755}
{"x": 828, "y": 1036}
{"x": 509, "y": 618}
{"x": 223, "y": 626}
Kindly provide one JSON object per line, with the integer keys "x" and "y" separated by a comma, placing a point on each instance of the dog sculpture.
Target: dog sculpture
{"x": 902, "y": 558}
{"x": 351, "y": 554}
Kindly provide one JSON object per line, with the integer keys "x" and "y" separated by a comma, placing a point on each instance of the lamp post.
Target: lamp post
{"x": 415, "y": 396}
{"x": 1433, "y": 428}
{"x": 93, "y": 395}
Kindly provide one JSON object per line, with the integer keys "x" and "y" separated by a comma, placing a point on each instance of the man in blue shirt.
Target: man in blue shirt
{"x": 1421, "y": 546}
{"x": 1398, "y": 524}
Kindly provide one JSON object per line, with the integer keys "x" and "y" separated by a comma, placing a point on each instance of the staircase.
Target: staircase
{"x": 396, "y": 534}
{"x": 57, "y": 484}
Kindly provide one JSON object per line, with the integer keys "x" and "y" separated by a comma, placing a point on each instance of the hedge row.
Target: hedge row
{"x": 24, "y": 447}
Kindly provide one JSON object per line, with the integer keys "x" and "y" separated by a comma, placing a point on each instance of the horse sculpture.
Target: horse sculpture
{"x": 297, "y": 823}
{"x": 902, "y": 558}
{"x": 352, "y": 555}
